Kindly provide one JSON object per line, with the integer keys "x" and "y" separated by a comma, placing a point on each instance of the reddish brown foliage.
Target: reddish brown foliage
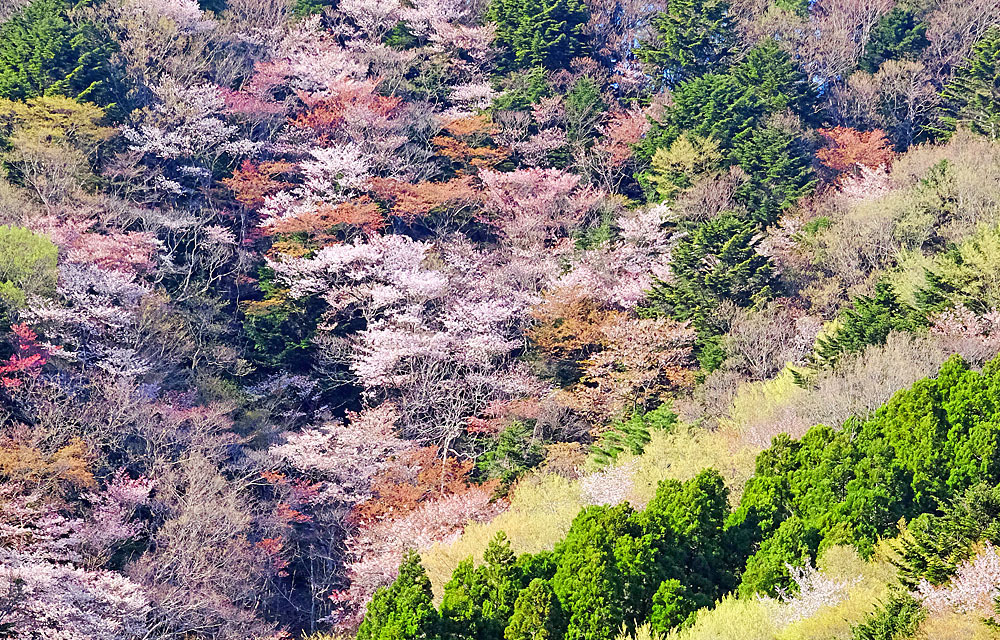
{"x": 568, "y": 327}
{"x": 329, "y": 222}
{"x": 467, "y": 144}
{"x": 27, "y": 359}
{"x": 327, "y": 115}
{"x": 252, "y": 183}
{"x": 422, "y": 475}
{"x": 413, "y": 201}
{"x": 847, "y": 148}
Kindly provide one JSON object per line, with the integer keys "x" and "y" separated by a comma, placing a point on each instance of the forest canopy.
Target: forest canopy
{"x": 499, "y": 319}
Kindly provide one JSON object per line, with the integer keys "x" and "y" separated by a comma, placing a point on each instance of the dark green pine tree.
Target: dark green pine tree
{"x": 404, "y": 610}
{"x": 500, "y": 582}
{"x": 899, "y": 35}
{"x": 43, "y": 53}
{"x": 778, "y": 166}
{"x": 716, "y": 106}
{"x": 718, "y": 261}
{"x": 771, "y": 73}
{"x": 972, "y": 98}
{"x": 545, "y": 33}
{"x": 461, "y": 611}
{"x": 593, "y": 580}
{"x": 478, "y": 602}
{"x": 870, "y": 322}
{"x": 693, "y": 37}
{"x": 537, "y": 614}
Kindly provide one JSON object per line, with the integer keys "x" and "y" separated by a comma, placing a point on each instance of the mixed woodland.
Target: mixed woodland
{"x": 499, "y": 319}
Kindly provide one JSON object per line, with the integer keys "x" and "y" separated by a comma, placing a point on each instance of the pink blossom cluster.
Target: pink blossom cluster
{"x": 973, "y": 589}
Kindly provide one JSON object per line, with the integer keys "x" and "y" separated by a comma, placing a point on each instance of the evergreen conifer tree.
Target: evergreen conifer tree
{"x": 545, "y": 33}
{"x": 693, "y": 37}
{"x": 43, "y": 53}
{"x": 405, "y": 609}
{"x": 779, "y": 172}
{"x": 537, "y": 614}
{"x": 972, "y": 98}
{"x": 899, "y": 35}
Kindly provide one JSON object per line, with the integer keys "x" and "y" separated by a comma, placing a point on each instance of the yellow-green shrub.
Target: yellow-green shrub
{"x": 542, "y": 507}
{"x": 733, "y": 619}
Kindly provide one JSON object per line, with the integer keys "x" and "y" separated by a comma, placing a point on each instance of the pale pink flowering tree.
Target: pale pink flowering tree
{"x": 46, "y": 600}
{"x": 535, "y": 150}
{"x": 533, "y": 208}
{"x": 865, "y": 184}
{"x": 185, "y": 14}
{"x": 610, "y": 486}
{"x": 374, "y": 18}
{"x": 973, "y": 589}
{"x": 371, "y": 277}
{"x": 618, "y": 273}
{"x": 125, "y": 251}
{"x": 439, "y": 341}
{"x": 976, "y": 337}
{"x": 815, "y": 590}
{"x": 111, "y": 519}
{"x": 309, "y": 59}
{"x": 344, "y": 456}
{"x": 95, "y": 317}
{"x": 31, "y": 525}
{"x": 184, "y": 135}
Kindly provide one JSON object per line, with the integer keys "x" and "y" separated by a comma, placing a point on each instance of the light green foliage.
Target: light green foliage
{"x": 674, "y": 168}
{"x": 27, "y": 265}
{"x": 537, "y": 614}
{"x": 403, "y": 610}
{"x": 964, "y": 274}
{"x": 732, "y": 619}
{"x": 539, "y": 33}
{"x": 52, "y": 145}
{"x": 672, "y": 606}
{"x": 865, "y": 585}
{"x": 542, "y": 507}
